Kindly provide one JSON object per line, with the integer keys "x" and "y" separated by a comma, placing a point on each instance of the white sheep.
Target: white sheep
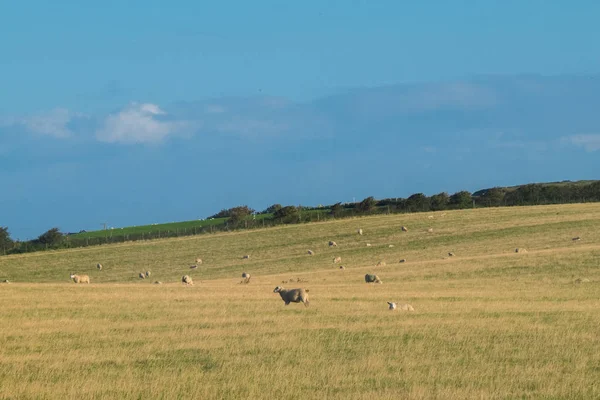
{"x": 576, "y": 239}
{"x": 198, "y": 261}
{"x": 360, "y": 232}
{"x": 246, "y": 257}
{"x": 342, "y": 267}
{"x": 157, "y": 282}
{"x": 246, "y": 277}
{"x": 293, "y": 295}
{"x": 80, "y": 278}
{"x": 518, "y": 250}
{"x": 392, "y": 306}
{"x": 430, "y": 230}
{"x": 406, "y": 307}
{"x": 142, "y": 275}
{"x": 99, "y": 266}
{"x": 148, "y": 273}
{"x": 390, "y": 246}
{"x": 332, "y": 243}
{"x": 450, "y": 254}
{"x": 337, "y": 260}
{"x": 404, "y": 229}
{"x": 187, "y": 280}
{"x": 368, "y": 244}
{"x": 6, "y": 281}
{"x": 311, "y": 253}
{"x": 403, "y": 260}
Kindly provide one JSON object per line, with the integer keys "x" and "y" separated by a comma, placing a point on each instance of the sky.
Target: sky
{"x": 131, "y": 113}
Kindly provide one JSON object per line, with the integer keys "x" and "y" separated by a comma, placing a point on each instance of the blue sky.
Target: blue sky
{"x": 142, "y": 112}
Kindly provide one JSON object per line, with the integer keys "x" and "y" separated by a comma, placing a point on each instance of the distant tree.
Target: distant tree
{"x": 417, "y": 202}
{"x": 287, "y": 215}
{"x": 367, "y": 204}
{"x": 5, "y": 241}
{"x": 493, "y": 197}
{"x": 51, "y": 237}
{"x": 237, "y": 214}
{"x": 461, "y": 199}
{"x": 272, "y": 209}
{"x": 337, "y": 209}
{"x": 439, "y": 201}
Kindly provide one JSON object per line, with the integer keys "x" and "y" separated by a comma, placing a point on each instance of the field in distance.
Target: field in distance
{"x": 488, "y": 322}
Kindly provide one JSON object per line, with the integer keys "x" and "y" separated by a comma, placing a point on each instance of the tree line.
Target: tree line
{"x": 244, "y": 217}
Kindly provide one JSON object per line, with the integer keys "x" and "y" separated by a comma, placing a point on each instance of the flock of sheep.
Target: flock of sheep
{"x": 297, "y": 295}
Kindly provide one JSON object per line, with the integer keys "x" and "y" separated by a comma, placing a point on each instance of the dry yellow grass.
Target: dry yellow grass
{"x": 489, "y": 323}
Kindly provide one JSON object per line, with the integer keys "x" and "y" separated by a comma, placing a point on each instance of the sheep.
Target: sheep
{"x": 403, "y": 260}
{"x": 246, "y": 277}
{"x": 430, "y": 230}
{"x": 293, "y": 295}
{"x": 193, "y": 266}
{"x": 392, "y": 306}
{"x": 450, "y": 254}
{"x": 198, "y": 261}
{"x": 404, "y": 229}
{"x": 332, "y": 243}
{"x": 368, "y": 244}
{"x": 372, "y": 278}
{"x": 576, "y": 239}
{"x": 518, "y": 250}
{"x": 342, "y": 267}
{"x": 430, "y": 216}
{"x": 99, "y": 266}
{"x": 157, "y": 282}
{"x": 80, "y": 278}
{"x": 406, "y": 307}
{"x": 246, "y": 257}
{"x": 142, "y": 275}
{"x": 187, "y": 280}
{"x": 390, "y": 246}
{"x": 360, "y": 232}
{"x": 148, "y": 273}
{"x": 6, "y": 281}
{"x": 581, "y": 280}
{"x": 381, "y": 263}
{"x": 337, "y": 260}
{"x": 311, "y": 253}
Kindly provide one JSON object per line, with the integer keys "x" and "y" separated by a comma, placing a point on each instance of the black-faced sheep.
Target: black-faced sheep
{"x": 332, "y": 243}
{"x": 99, "y": 266}
{"x": 292, "y": 295}
{"x": 187, "y": 280}
{"x": 372, "y": 278}
{"x": 246, "y": 277}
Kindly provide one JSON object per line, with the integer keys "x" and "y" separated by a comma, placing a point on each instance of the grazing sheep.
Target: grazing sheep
{"x": 99, "y": 266}
{"x": 193, "y": 266}
{"x": 198, "y": 261}
{"x": 246, "y": 277}
{"x": 404, "y": 229}
{"x": 392, "y": 306}
{"x": 360, "y": 232}
{"x": 575, "y": 239}
{"x": 430, "y": 230}
{"x": 342, "y": 267}
{"x": 80, "y": 278}
{"x": 337, "y": 260}
{"x": 450, "y": 254}
{"x": 148, "y": 273}
{"x": 292, "y": 295}
{"x": 157, "y": 282}
{"x": 518, "y": 250}
{"x": 6, "y": 281}
{"x": 142, "y": 275}
{"x": 332, "y": 243}
{"x": 406, "y": 307}
{"x": 368, "y": 244}
{"x": 381, "y": 264}
{"x": 311, "y": 253}
{"x": 187, "y": 280}
{"x": 390, "y": 246}
{"x": 403, "y": 260}
{"x": 372, "y": 278}
{"x": 246, "y": 257}
{"x": 430, "y": 216}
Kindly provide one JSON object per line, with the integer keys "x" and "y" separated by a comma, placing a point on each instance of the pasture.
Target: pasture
{"x": 488, "y": 323}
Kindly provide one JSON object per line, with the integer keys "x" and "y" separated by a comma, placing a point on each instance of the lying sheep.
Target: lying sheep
{"x": 406, "y": 307}
{"x": 342, "y": 267}
{"x": 360, "y": 232}
{"x": 576, "y": 239}
{"x": 246, "y": 277}
{"x": 292, "y": 295}
{"x": 142, "y": 275}
{"x": 148, "y": 273}
{"x": 157, "y": 282}
{"x": 518, "y": 250}
{"x": 337, "y": 260}
{"x": 392, "y": 306}
{"x": 332, "y": 243}
{"x": 80, "y": 278}
{"x": 187, "y": 280}
{"x": 246, "y": 257}
{"x": 430, "y": 230}
{"x": 311, "y": 253}
{"x": 404, "y": 229}
{"x": 390, "y": 246}
{"x": 450, "y": 254}
{"x": 368, "y": 244}
{"x": 198, "y": 261}
{"x": 99, "y": 266}
{"x": 6, "y": 281}
{"x": 193, "y": 266}
{"x": 403, "y": 260}
{"x": 372, "y": 278}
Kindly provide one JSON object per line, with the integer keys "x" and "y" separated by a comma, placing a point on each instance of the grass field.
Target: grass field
{"x": 489, "y": 323}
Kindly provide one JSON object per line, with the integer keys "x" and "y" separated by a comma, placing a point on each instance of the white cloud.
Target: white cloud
{"x": 52, "y": 123}
{"x": 138, "y": 123}
{"x": 590, "y": 142}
